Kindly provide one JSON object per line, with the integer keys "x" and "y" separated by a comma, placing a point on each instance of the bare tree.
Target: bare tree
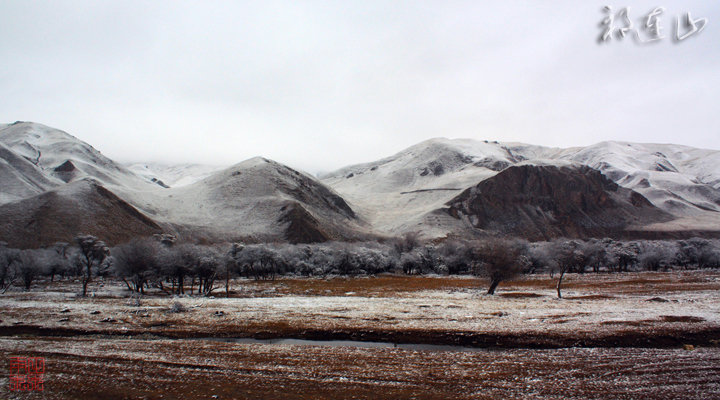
{"x": 500, "y": 260}
{"x": 93, "y": 253}
{"x": 709, "y": 255}
{"x": 29, "y": 265}
{"x": 540, "y": 259}
{"x": 456, "y": 256}
{"x": 231, "y": 264}
{"x": 58, "y": 262}
{"x": 206, "y": 269}
{"x": 259, "y": 261}
{"x": 8, "y": 270}
{"x": 181, "y": 262}
{"x": 407, "y": 242}
{"x": 410, "y": 262}
{"x": 403, "y": 246}
{"x": 135, "y": 262}
{"x": 570, "y": 256}
{"x": 657, "y": 255}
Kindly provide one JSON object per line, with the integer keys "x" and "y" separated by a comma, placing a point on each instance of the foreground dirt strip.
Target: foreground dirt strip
{"x": 99, "y": 368}
{"x": 656, "y": 338}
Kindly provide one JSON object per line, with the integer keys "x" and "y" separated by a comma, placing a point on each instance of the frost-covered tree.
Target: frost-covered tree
{"x": 59, "y": 262}
{"x": 410, "y": 262}
{"x": 136, "y": 262}
{"x": 570, "y": 257}
{"x": 406, "y": 243}
{"x": 499, "y": 260}
{"x": 259, "y": 261}
{"x": 206, "y": 269}
{"x": 626, "y": 254}
{"x": 656, "y": 255}
{"x": 30, "y": 264}
{"x": 456, "y": 257}
{"x": 8, "y": 271}
{"x": 710, "y": 255}
{"x": 230, "y": 263}
{"x": 540, "y": 258}
{"x": 699, "y": 252}
{"x": 91, "y": 259}
{"x": 598, "y": 256}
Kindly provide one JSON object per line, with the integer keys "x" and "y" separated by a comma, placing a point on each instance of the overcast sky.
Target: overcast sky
{"x": 322, "y": 84}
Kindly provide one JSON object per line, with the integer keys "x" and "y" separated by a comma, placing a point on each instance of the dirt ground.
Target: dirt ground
{"x": 611, "y": 337}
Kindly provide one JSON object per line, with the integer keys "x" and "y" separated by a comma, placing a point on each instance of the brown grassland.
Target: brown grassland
{"x": 618, "y": 336}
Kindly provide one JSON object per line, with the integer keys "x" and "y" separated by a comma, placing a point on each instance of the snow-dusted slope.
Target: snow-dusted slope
{"x": 19, "y": 177}
{"x": 395, "y": 193}
{"x": 680, "y": 179}
{"x": 402, "y": 192}
{"x": 257, "y": 199}
{"x": 174, "y": 175}
{"x": 80, "y": 207}
{"x": 62, "y": 158}
{"x": 410, "y": 191}
{"x": 45, "y": 171}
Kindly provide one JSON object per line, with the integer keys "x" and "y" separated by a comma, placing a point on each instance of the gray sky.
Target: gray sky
{"x": 322, "y": 84}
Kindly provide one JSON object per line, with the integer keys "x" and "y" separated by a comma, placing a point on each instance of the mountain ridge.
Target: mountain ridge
{"x": 412, "y": 190}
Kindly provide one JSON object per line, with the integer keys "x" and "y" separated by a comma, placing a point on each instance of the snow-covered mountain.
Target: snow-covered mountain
{"x": 257, "y": 199}
{"x": 62, "y": 158}
{"x": 53, "y": 185}
{"x": 19, "y": 177}
{"x": 403, "y": 192}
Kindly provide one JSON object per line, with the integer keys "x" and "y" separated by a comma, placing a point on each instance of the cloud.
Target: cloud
{"x": 319, "y": 85}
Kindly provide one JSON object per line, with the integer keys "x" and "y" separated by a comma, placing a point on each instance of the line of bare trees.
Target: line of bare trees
{"x": 183, "y": 268}
{"x": 501, "y": 259}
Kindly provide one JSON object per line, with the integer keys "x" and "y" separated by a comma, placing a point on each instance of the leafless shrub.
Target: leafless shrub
{"x": 177, "y": 307}
{"x": 91, "y": 259}
{"x": 29, "y": 265}
{"x": 499, "y": 260}
{"x": 136, "y": 262}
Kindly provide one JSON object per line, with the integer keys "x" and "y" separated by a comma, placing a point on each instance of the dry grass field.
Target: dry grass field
{"x": 614, "y": 336}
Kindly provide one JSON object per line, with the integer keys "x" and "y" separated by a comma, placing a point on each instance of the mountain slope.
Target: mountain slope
{"x": 402, "y": 192}
{"x": 394, "y": 193}
{"x": 546, "y": 202}
{"x": 45, "y": 171}
{"x": 439, "y": 187}
{"x": 257, "y": 199}
{"x": 679, "y": 179}
{"x": 173, "y": 175}
{"x": 62, "y": 158}
{"x": 60, "y": 214}
{"x": 19, "y": 177}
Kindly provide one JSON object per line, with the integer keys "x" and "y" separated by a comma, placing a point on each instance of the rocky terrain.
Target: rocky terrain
{"x": 547, "y": 202}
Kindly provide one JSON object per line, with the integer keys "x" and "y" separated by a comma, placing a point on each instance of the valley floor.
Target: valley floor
{"x": 612, "y": 336}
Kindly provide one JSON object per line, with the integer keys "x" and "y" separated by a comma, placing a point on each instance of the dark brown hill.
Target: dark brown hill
{"x": 545, "y": 202}
{"x": 80, "y": 207}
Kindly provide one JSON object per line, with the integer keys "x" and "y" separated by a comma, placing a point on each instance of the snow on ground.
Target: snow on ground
{"x": 592, "y": 304}
{"x": 137, "y": 362}
{"x": 80, "y": 368}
